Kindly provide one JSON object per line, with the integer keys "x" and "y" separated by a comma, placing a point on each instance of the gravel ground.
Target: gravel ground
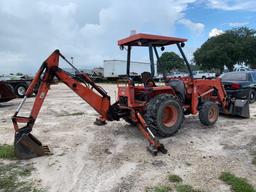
{"x": 113, "y": 157}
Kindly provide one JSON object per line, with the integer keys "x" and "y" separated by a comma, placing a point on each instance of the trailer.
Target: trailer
{"x": 18, "y": 83}
{"x": 19, "y": 86}
{"x": 116, "y": 68}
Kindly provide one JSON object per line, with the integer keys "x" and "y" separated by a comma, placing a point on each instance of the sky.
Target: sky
{"x": 88, "y": 30}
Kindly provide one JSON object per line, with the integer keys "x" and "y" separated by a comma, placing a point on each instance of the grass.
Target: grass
{"x": 161, "y": 188}
{"x": 72, "y": 114}
{"x": 186, "y": 188}
{"x": 7, "y": 151}
{"x": 10, "y": 178}
{"x": 179, "y": 187}
{"x": 254, "y": 161}
{"x": 174, "y": 178}
{"x": 237, "y": 184}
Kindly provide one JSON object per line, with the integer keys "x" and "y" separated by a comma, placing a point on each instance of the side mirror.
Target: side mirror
{"x": 162, "y": 48}
{"x": 121, "y": 47}
{"x": 182, "y": 44}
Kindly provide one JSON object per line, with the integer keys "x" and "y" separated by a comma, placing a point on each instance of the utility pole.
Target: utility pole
{"x": 72, "y": 60}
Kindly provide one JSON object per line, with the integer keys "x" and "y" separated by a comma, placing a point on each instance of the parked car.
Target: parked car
{"x": 6, "y": 92}
{"x": 242, "y": 69}
{"x": 240, "y": 84}
{"x": 203, "y": 75}
{"x": 177, "y": 74}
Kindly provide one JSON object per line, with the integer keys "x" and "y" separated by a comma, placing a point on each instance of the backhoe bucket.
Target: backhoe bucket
{"x": 27, "y": 146}
{"x": 240, "y": 107}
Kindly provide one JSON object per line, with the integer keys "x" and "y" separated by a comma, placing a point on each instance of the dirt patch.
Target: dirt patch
{"x": 114, "y": 158}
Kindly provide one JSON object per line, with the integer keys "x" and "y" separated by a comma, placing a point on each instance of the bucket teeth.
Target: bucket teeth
{"x": 47, "y": 150}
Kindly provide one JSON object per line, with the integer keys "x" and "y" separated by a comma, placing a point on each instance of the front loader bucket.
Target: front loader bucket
{"x": 27, "y": 146}
{"x": 240, "y": 107}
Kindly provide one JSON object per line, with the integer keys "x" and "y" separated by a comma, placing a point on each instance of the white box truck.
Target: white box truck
{"x": 116, "y": 68}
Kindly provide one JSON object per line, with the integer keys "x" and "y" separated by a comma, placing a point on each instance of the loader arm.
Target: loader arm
{"x": 94, "y": 95}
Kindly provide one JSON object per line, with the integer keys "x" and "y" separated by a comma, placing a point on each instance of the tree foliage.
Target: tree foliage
{"x": 169, "y": 61}
{"x": 235, "y": 46}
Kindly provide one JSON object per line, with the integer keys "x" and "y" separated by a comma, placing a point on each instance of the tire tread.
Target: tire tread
{"x": 151, "y": 113}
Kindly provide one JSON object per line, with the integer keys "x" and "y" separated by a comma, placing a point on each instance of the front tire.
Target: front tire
{"x": 209, "y": 113}
{"x": 164, "y": 115}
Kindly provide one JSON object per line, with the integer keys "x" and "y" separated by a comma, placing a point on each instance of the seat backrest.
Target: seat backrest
{"x": 178, "y": 87}
{"x": 147, "y": 79}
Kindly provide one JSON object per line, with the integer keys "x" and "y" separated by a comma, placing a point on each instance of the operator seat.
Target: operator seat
{"x": 179, "y": 88}
{"x": 147, "y": 79}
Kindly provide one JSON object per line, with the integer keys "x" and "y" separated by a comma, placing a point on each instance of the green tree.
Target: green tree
{"x": 232, "y": 47}
{"x": 169, "y": 61}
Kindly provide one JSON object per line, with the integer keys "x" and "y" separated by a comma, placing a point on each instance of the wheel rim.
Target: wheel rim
{"x": 170, "y": 116}
{"x": 252, "y": 96}
{"x": 21, "y": 91}
{"x": 212, "y": 114}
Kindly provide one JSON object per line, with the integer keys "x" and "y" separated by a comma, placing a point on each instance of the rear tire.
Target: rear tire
{"x": 164, "y": 115}
{"x": 209, "y": 113}
{"x": 20, "y": 90}
{"x": 252, "y": 96}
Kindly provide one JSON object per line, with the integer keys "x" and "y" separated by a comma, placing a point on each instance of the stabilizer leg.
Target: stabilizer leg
{"x": 154, "y": 145}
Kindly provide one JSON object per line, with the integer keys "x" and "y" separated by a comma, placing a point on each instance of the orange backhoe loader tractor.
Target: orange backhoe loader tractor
{"x": 157, "y": 110}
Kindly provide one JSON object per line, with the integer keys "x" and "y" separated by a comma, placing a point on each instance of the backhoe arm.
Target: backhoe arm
{"x": 94, "y": 95}
{"x": 100, "y": 103}
{"x": 27, "y": 146}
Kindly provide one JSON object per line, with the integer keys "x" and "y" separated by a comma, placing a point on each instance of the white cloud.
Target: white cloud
{"x": 87, "y": 30}
{"x": 237, "y": 24}
{"x": 232, "y": 5}
{"x": 195, "y": 27}
{"x": 215, "y": 32}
